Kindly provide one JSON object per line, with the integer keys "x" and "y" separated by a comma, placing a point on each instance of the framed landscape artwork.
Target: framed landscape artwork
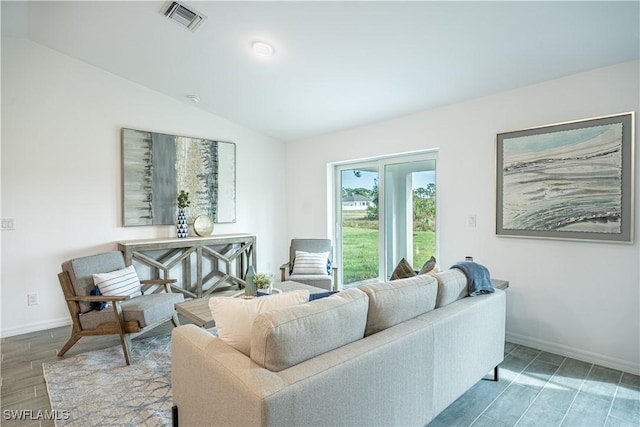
{"x": 570, "y": 180}
{"x": 156, "y": 166}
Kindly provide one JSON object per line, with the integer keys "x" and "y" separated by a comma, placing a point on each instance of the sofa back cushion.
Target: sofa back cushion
{"x": 394, "y": 302}
{"x": 452, "y": 286}
{"x": 285, "y": 337}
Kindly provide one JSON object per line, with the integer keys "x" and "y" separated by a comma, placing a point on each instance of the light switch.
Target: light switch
{"x": 8, "y": 224}
{"x": 471, "y": 221}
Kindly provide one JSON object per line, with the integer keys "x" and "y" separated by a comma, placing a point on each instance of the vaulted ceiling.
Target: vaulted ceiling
{"x": 336, "y": 65}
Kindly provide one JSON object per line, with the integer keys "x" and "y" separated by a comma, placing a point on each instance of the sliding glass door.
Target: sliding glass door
{"x": 385, "y": 211}
{"x": 359, "y": 229}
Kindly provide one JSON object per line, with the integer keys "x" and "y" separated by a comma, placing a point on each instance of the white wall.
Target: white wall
{"x": 580, "y": 299}
{"x": 61, "y": 124}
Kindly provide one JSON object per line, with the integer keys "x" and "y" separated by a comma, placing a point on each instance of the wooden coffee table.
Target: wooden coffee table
{"x": 197, "y": 310}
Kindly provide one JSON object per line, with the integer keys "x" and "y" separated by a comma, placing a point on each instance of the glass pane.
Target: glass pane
{"x": 409, "y": 212}
{"x": 360, "y": 226}
{"x": 424, "y": 216}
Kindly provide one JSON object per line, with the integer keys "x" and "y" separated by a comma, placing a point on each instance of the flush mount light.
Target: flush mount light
{"x": 193, "y": 98}
{"x": 262, "y": 48}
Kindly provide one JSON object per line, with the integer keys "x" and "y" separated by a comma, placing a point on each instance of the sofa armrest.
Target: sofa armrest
{"x": 476, "y": 323}
{"x": 214, "y": 384}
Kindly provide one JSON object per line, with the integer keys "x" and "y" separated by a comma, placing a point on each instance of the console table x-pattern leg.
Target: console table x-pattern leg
{"x": 220, "y": 261}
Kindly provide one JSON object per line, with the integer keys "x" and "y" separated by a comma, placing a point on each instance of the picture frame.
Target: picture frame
{"x": 571, "y": 180}
{"x": 157, "y": 166}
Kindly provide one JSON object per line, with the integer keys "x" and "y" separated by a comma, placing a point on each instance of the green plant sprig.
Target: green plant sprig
{"x": 262, "y": 280}
{"x": 183, "y": 199}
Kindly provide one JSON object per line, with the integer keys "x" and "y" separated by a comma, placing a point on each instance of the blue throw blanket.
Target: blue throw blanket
{"x": 478, "y": 278}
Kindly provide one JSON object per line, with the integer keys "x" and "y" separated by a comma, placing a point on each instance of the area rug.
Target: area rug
{"x": 97, "y": 388}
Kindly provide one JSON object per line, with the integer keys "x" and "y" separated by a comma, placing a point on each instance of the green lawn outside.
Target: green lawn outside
{"x": 360, "y": 252}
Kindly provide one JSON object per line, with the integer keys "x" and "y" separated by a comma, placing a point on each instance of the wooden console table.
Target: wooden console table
{"x": 220, "y": 261}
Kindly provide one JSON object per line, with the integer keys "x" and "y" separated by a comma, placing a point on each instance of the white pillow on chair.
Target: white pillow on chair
{"x": 306, "y": 263}
{"x": 122, "y": 282}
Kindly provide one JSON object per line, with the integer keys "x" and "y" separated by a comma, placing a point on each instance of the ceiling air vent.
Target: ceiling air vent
{"x": 183, "y": 15}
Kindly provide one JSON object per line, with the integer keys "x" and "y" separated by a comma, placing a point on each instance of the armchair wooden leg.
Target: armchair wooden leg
{"x": 74, "y": 339}
{"x": 495, "y": 374}
{"x": 125, "y": 340}
{"x": 175, "y": 320}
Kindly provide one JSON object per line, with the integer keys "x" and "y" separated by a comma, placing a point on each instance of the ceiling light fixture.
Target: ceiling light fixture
{"x": 193, "y": 98}
{"x": 262, "y": 49}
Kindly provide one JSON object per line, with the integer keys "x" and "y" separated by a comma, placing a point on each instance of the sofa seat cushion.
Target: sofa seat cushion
{"x": 146, "y": 310}
{"x": 452, "y": 286}
{"x": 285, "y": 337}
{"x": 234, "y": 316}
{"x": 394, "y": 302}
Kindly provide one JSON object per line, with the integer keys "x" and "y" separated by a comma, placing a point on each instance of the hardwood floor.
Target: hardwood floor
{"x": 535, "y": 388}
{"x": 23, "y": 398}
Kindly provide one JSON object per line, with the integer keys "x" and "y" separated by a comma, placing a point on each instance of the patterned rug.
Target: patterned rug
{"x": 97, "y": 389}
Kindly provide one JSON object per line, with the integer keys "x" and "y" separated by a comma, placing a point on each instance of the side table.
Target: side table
{"x": 500, "y": 284}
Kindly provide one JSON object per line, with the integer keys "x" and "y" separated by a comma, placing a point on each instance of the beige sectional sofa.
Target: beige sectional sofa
{"x": 395, "y": 353}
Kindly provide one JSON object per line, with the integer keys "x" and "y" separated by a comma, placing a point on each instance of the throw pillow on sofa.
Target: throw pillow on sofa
{"x": 234, "y": 316}
{"x": 404, "y": 270}
{"x": 430, "y": 266}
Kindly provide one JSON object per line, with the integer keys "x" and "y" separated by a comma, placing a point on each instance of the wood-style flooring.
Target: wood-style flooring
{"x": 24, "y": 397}
{"x": 535, "y": 388}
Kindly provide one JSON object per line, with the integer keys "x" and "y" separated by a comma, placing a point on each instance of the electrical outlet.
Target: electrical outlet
{"x": 32, "y": 299}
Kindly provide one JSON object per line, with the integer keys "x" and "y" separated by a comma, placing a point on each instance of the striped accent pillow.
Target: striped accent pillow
{"x": 123, "y": 282}
{"x": 310, "y": 263}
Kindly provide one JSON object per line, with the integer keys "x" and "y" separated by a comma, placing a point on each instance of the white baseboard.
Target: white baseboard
{"x": 35, "y": 327}
{"x": 574, "y": 353}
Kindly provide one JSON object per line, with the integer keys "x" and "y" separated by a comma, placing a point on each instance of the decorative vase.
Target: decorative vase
{"x": 267, "y": 290}
{"x": 182, "y": 227}
{"x": 250, "y": 290}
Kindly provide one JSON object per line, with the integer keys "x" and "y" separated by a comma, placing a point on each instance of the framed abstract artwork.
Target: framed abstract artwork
{"x": 571, "y": 180}
{"x": 156, "y": 166}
